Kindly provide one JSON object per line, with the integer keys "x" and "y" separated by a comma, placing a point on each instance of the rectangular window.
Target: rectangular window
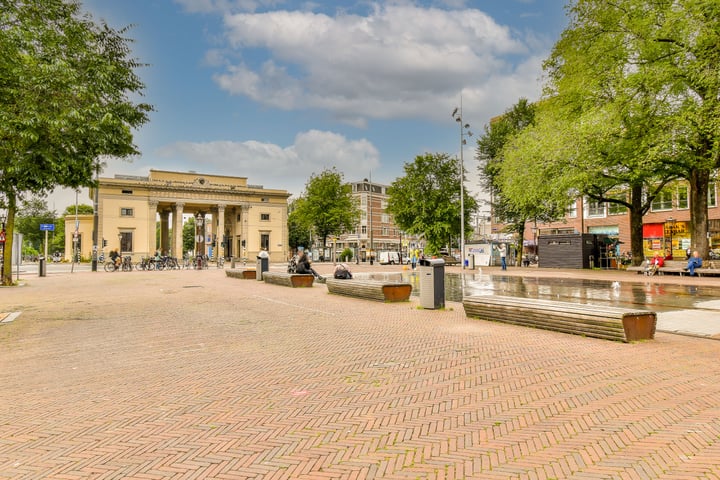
{"x": 126, "y": 212}
{"x": 615, "y": 208}
{"x": 127, "y": 192}
{"x": 683, "y": 197}
{"x": 663, "y": 200}
{"x": 572, "y": 210}
{"x": 265, "y": 241}
{"x": 595, "y": 209}
{"x": 265, "y": 217}
{"x": 712, "y": 195}
{"x": 385, "y": 218}
{"x": 364, "y": 229}
{"x": 126, "y": 241}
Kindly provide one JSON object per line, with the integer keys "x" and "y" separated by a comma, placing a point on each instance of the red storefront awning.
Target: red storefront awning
{"x": 653, "y": 230}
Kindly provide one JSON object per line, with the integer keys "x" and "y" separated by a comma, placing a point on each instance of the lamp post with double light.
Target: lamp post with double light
{"x": 457, "y": 114}
{"x": 671, "y": 221}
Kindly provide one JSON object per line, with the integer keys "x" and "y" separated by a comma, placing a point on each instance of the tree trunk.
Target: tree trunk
{"x": 636, "y": 225}
{"x": 9, "y": 230}
{"x": 699, "y": 182}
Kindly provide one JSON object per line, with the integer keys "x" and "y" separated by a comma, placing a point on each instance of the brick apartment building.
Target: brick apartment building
{"x": 665, "y": 227}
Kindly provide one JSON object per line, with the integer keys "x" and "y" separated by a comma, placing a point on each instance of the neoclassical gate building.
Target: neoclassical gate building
{"x": 234, "y": 219}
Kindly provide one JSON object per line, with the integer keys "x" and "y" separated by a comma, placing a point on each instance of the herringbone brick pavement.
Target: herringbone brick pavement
{"x": 180, "y": 375}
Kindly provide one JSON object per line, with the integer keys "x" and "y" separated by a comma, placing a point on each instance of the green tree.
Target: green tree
{"x": 188, "y": 235}
{"x": 649, "y": 71}
{"x": 327, "y": 205}
{"x": 426, "y": 200}
{"x": 31, "y": 214}
{"x": 513, "y": 172}
{"x": 67, "y": 90}
{"x": 298, "y": 231}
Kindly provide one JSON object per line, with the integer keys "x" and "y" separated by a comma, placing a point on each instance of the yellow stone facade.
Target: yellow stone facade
{"x": 249, "y": 217}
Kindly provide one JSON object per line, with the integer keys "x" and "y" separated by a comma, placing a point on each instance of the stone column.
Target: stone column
{"x": 244, "y": 229}
{"x": 220, "y": 230}
{"x": 152, "y": 213}
{"x": 164, "y": 227}
{"x": 177, "y": 246}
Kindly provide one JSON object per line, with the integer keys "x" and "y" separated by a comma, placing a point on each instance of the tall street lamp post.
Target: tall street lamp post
{"x": 2, "y": 246}
{"x": 464, "y": 131}
{"x": 671, "y": 221}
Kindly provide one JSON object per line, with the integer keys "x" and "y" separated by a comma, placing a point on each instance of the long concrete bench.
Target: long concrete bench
{"x": 244, "y": 273}
{"x": 370, "y": 289}
{"x": 679, "y": 267}
{"x": 294, "y": 280}
{"x": 596, "y": 321}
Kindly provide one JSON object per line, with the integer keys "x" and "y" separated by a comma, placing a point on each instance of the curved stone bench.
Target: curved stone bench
{"x": 596, "y": 321}
{"x": 294, "y": 280}
{"x": 370, "y": 289}
{"x": 244, "y": 273}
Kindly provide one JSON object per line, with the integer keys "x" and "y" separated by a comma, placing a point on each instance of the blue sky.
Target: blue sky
{"x": 277, "y": 90}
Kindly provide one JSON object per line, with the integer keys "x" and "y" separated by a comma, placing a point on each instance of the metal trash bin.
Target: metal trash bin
{"x": 263, "y": 265}
{"x": 42, "y": 267}
{"x": 432, "y": 283}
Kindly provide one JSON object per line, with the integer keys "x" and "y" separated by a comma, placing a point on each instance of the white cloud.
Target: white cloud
{"x": 274, "y": 166}
{"x": 399, "y": 61}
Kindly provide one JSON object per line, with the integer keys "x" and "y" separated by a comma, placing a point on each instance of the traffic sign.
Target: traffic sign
{"x": 47, "y": 227}
{"x": 2, "y": 236}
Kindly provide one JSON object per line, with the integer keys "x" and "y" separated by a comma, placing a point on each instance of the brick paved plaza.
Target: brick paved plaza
{"x": 185, "y": 374}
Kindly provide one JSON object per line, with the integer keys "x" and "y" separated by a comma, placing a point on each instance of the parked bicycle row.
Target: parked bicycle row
{"x": 125, "y": 264}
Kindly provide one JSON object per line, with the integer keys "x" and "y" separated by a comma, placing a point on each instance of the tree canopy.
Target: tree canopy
{"x": 633, "y": 89}
{"x": 326, "y": 206}
{"x": 513, "y": 166}
{"x": 426, "y": 200}
{"x": 67, "y": 96}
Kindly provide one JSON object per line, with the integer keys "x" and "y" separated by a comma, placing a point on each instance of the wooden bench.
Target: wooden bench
{"x": 674, "y": 266}
{"x": 294, "y": 280}
{"x": 244, "y": 273}
{"x": 597, "y": 321}
{"x": 370, "y": 289}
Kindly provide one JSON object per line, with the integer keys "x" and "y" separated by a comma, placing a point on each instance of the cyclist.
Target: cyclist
{"x": 115, "y": 257}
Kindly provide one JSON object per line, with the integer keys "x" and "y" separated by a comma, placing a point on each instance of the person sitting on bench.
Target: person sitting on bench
{"x": 694, "y": 262}
{"x": 656, "y": 262}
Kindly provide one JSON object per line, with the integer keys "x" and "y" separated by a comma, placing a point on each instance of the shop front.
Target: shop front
{"x": 670, "y": 238}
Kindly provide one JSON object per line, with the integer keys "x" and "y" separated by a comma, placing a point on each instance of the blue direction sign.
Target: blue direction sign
{"x": 49, "y": 227}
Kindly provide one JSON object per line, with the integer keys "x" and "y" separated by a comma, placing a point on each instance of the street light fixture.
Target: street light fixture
{"x": 464, "y": 131}
{"x": 2, "y": 247}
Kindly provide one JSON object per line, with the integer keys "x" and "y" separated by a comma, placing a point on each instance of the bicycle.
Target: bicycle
{"x": 111, "y": 266}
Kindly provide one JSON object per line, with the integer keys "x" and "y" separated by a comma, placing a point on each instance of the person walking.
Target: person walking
{"x": 503, "y": 256}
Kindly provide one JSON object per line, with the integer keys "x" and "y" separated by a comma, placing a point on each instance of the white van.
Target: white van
{"x": 389, "y": 258}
